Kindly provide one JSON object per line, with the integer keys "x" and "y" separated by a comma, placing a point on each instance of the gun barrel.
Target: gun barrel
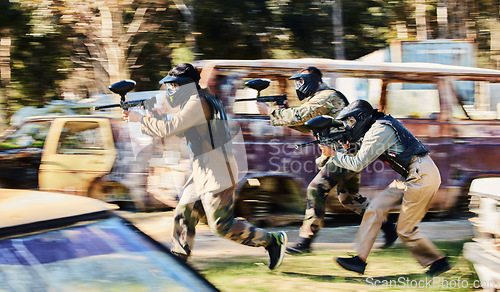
{"x": 274, "y": 98}
{"x": 298, "y": 146}
{"x": 99, "y": 107}
{"x": 244, "y": 99}
{"x": 148, "y": 103}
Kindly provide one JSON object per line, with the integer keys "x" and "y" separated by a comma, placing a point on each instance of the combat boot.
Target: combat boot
{"x": 354, "y": 264}
{"x": 438, "y": 267}
{"x": 181, "y": 257}
{"x": 390, "y": 234}
{"x": 303, "y": 246}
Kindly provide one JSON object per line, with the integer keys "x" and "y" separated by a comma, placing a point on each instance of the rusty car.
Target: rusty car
{"x": 427, "y": 98}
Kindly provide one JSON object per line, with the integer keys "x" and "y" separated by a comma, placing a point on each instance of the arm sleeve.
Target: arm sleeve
{"x": 325, "y": 102}
{"x": 378, "y": 139}
{"x": 191, "y": 115}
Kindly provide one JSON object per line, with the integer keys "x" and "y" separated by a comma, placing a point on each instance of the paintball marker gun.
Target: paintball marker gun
{"x": 122, "y": 88}
{"x": 260, "y": 84}
{"x": 321, "y": 127}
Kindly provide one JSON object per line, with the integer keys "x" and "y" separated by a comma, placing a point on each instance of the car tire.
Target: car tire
{"x": 110, "y": 192}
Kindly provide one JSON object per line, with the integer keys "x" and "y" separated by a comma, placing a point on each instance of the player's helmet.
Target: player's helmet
{"x": 306, "y": 84}
{"x": 182, "y": 74}
{"x": 357, "y": 118}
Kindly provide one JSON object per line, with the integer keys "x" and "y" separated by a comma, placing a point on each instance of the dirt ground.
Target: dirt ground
{"x": 338, "y": 237}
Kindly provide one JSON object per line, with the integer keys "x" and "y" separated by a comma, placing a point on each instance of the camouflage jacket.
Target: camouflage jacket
{"x": 327, "y": 101}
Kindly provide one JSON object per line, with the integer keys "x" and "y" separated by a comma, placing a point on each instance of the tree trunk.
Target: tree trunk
{"x": 442, "y": 19}
{"x": 188, "y": 15}
{"x": 5, "y": 47}
{"x": 495, "y": 42}
{"x": 402, "y": 30}
{"x": 111, "y": 20}
{"x": 457, "y": 16}
{"x": 338, "y": 30}
{"x": 420, "y": 8}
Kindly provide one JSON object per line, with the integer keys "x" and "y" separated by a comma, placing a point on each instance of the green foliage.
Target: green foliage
{"x": 366, "y": 27}
{"x": 182, "y": 55}
{"x": 232, "y": 29}
{"x": 310, "y": 25}
{"x": 54, "y": 42}
{"x": 35, "y": 69}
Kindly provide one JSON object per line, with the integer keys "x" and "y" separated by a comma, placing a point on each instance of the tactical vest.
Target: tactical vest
{"x": 212, "y": 134}
{"x": 413, "y": 147}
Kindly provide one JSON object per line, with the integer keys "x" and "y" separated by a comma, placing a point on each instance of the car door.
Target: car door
{"x": 21, "y": 152}
{"x": 77, "y": 151}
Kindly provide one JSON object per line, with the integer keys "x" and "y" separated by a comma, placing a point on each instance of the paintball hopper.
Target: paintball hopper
{"x": 258, "y": 84}
{"x": 323, "y": 122}
{"x": 122, "y": 87}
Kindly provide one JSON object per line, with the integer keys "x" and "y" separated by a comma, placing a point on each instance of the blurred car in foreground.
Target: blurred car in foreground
{"x": 60, "y": 242}
{"x": 484, "y": 251}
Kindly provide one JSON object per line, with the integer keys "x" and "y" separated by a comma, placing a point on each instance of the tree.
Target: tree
{"x": 5, "y": 46}
{"x": 108, "y": 38}
{"x": 233, "y": 29}
{"x": 12, "y": 23}
{"x": 420, "y": 19}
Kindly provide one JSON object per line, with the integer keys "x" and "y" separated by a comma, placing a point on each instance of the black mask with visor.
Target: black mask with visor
{"x": 176, "y": 91}
{"x": 306, "y": 84}
{"x": 357, "y": 119}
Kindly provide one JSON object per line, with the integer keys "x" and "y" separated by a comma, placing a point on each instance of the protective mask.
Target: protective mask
{"x": 305, "y": 84}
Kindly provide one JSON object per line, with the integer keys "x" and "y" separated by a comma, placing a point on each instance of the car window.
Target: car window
{"x": 105, "y": 255}
{"x": 479, "y": 100}
{"x": 79, "y": 137}
{"x": 358, "y": 88}
{"x": 412, "y": 100}
{"x": 30, "y": 134}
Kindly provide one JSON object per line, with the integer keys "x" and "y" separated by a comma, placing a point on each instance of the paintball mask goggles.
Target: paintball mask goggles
{"x": 172, "y": 86}
{"x": 305, "y": 84}
{"x": 357, "y": 118}
{"x": 349, "y": 123}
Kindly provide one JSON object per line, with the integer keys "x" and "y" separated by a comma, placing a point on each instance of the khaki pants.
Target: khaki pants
{"x": 414, "y": 195}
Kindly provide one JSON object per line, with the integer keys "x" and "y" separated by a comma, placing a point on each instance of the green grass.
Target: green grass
{"x": 319, "y": 272}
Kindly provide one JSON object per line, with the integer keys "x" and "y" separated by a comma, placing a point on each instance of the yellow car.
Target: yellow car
{"x": 86, "y": 155}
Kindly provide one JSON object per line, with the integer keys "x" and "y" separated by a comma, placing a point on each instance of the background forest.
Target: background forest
{"x": 56, "y": 49}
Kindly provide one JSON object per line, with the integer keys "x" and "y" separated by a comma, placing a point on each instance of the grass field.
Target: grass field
{"x": 392, "y": 269}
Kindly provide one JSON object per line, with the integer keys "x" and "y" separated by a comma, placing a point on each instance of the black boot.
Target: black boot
{"x": 390, "y": 234}
{"x": 181, "y": 257}
{"x": 303, "y": 246}
{"x": 354, "y": 264}
{"x": 438, "y": 267}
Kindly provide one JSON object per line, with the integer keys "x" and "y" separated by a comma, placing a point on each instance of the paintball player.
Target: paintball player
{"x": 319, "y": 99}
{"x": 201, "y": 118}
{"x": 387, "y": 139}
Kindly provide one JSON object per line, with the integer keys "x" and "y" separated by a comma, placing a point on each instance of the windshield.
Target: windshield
{"x": 100, "y": 256}
{"x": 31, "y": 134}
